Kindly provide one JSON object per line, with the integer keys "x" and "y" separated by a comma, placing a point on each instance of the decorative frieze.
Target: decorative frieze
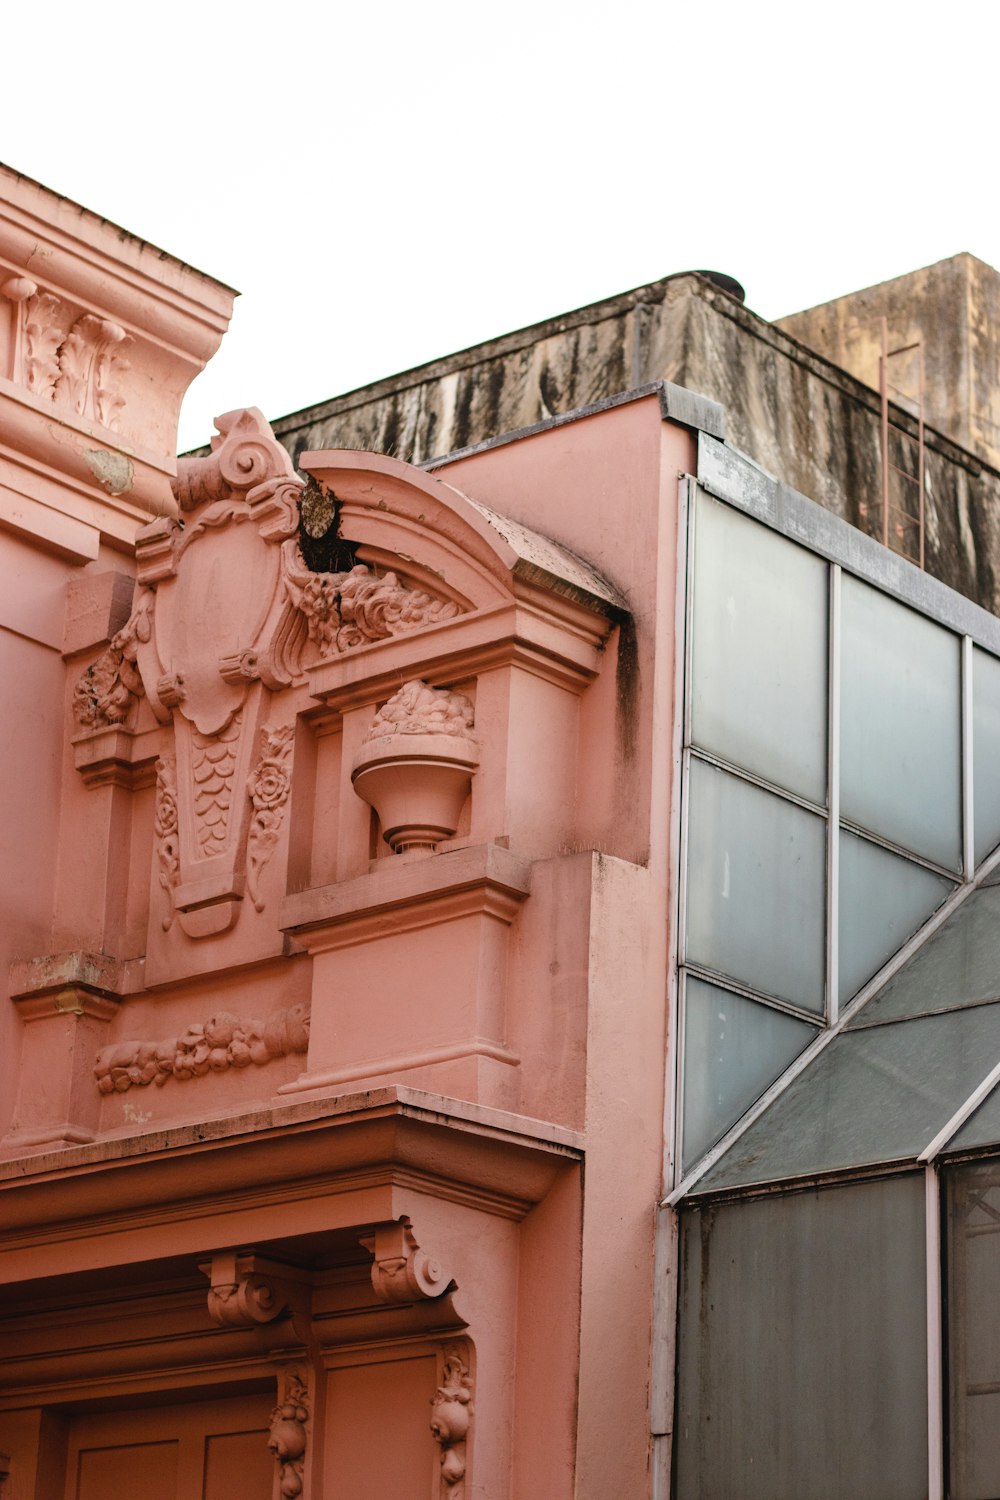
{"x": 73, "y": 359}
{"x": 223, "y": 1041}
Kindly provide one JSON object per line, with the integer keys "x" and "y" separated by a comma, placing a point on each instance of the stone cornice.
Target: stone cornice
{"x": 318, "y": 1164}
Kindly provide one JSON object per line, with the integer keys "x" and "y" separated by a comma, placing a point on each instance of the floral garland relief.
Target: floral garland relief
{"x": 223, "y": 1041}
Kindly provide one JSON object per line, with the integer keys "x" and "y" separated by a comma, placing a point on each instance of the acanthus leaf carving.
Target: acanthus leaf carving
{"x": 223, "y": 1041}
{"x": 345, "y": 610}
{"x": 70, "y": 358}
{"x": 45, "y": 323}
{"x": 401, "y": 1271}
{"x": 268, "y": 790}
{"x": 451, "y": 1418}
{"x": 89, "y": 368}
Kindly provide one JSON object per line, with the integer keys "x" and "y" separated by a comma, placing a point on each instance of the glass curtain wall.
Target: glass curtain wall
{"x": 831, "y": 737}
{"x": 838, "y": 1330}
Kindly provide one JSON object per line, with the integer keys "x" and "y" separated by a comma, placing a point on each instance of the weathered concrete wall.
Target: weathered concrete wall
{"x": 809, "y": 422}
{"x": 953, "y": 309}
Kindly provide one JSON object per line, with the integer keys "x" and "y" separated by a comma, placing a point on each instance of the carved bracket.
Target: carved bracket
{"x": 246, "y": 1290}
{"x": 401, "y": 1271}
{"x": 451, "y": 1418}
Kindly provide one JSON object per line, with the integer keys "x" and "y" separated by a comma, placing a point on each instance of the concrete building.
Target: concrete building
{"x": 499, "y": 932}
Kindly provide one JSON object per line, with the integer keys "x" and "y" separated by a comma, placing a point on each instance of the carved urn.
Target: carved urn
{"x": 416, "y": 765}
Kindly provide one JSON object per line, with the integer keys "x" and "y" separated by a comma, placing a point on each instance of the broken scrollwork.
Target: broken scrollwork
{"x": 109, "y": 690}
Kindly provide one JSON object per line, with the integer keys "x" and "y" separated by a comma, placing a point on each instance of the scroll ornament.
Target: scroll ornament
{"x": 223, "y": 1041}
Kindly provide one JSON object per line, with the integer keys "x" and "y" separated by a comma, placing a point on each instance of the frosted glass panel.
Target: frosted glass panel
{"x": 755, "y": 875}
{"x": 883, "y": 900}
{"x": 973, "y": 1308}
{"x": 900, "y": 725}
{"x": 958, "y": 964}
{"x": 802, "y": 1369}
{"x": 874, "y": 1095}
{"x": 760, "y": 651}
{"x": 986, "y": 752}
{"x": 981, "y": 1128}
{"x": 734, "y": 1049}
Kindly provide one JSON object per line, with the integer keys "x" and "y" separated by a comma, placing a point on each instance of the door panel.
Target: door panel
{"x": 203, "y": 1450}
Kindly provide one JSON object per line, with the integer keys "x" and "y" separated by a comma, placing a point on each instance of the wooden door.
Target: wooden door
{"x": 204, "y": 1450}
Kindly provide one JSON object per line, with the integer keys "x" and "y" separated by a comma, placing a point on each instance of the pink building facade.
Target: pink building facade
{"x": 336, "y": 1039}
{"x": 442, "y": 905}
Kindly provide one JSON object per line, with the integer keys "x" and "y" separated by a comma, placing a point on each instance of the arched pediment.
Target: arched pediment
{"x": 402, "y": 517}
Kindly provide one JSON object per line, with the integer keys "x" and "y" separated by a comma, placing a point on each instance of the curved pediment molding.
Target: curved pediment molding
{"x": 388, "y": 508}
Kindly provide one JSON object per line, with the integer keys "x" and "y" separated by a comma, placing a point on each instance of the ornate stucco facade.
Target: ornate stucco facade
{"x": 397, "y": 1003}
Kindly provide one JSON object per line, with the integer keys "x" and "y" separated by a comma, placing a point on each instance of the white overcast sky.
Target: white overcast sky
{"x": 388, "y": 182}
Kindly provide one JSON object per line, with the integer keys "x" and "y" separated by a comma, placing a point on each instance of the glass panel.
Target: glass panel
{"x": 802, "y": 1368}
{"x": 985, "y": 752}
{"x": 755, "y": 875}
{"x": 973, "y": 1261}
{"x": 760, "y": 653}
{"x": 878, "y": 1095}
{"x": 981, "y": 1128}
{"x": 958, "y": 964}
{"x": 734, "y": 1049}
{"x": 900, "y": 725}
{"x": 883, "y": 900}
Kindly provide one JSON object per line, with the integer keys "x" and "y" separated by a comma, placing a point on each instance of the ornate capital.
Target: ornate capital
{"x": 401, "y": 1271}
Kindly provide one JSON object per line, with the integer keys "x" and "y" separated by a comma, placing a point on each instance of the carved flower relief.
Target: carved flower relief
{"x": 269, "y": 785}
{"x": 419, "y": 709}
